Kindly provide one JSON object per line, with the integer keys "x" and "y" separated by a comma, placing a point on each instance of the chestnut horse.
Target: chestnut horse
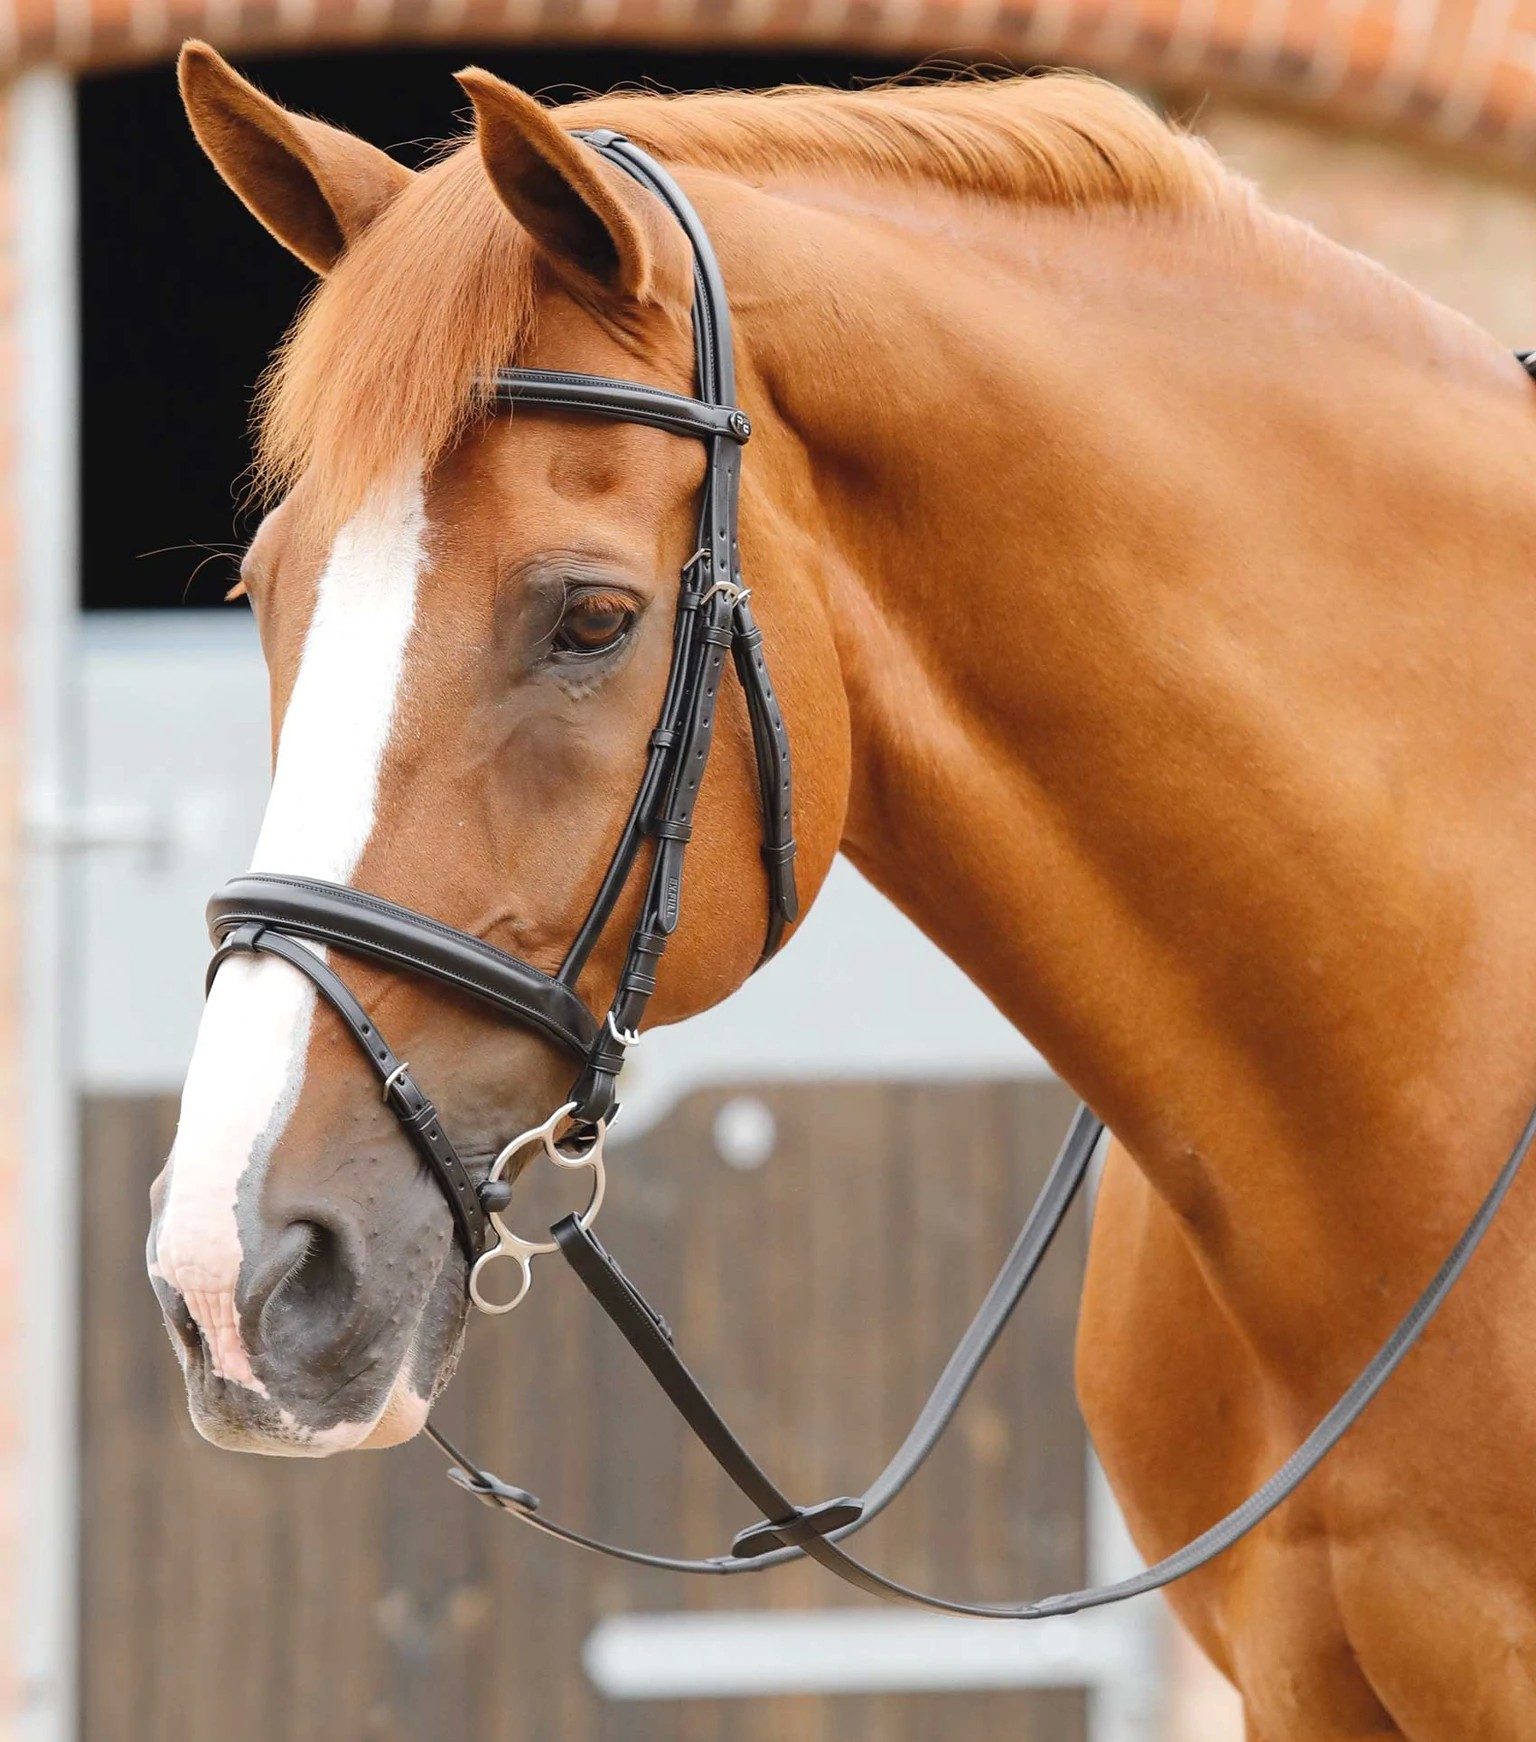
{"x": 1149, "y": 588}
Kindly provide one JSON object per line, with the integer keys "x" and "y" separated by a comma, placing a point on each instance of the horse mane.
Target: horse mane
{"x": 384, "y": 364}
{"x": 1060, "y": 139}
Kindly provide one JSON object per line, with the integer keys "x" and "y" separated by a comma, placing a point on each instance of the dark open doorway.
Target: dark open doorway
{"x": 183, "y": 297}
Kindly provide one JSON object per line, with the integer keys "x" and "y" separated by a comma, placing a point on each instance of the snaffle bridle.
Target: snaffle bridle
{"x": 273, "y": 915}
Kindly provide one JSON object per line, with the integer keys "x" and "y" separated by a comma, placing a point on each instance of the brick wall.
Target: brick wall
{"x": 1460, "y": 71}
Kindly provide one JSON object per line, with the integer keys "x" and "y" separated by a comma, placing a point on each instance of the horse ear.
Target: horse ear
{"x": 313, "y": 186}
{"x": 589, "y": 220}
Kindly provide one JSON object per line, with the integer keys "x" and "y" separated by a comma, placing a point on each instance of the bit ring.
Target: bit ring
{"x": 510, "y": 1245}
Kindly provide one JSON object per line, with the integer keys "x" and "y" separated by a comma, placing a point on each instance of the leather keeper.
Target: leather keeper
{"x": 491, "y": 1491}
{"x": 422, "y": 1120}
{"x": 814, "y": 1521}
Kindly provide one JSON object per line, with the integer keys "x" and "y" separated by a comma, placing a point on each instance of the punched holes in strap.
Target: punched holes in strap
{"x": 770, "y": 742}
{"x": 672, "y": 822}
{"x": 697, "y": 734}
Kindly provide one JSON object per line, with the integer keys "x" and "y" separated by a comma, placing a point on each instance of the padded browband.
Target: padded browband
{"x": 623, "y": 401}
{"x": 367, "y": 925}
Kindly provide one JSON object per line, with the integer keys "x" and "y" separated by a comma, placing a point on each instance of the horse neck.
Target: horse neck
{"x": 1179, "y": 570}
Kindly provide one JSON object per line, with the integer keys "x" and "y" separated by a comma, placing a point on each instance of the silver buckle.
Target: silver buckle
{"x": 624, "y": 1037}
{"x": 733, "y": 591}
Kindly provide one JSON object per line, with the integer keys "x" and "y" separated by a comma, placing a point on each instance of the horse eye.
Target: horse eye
{"x": 593, "y": 624}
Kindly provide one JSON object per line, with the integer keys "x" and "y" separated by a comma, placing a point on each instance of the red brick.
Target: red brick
{"x": 1311, "y": 51}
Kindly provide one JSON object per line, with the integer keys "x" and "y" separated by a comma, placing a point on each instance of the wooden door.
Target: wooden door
{"x": 238, "y": 1599}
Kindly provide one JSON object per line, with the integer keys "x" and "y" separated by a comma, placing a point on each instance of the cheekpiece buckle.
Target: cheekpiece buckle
{"x": 733, "y": 590}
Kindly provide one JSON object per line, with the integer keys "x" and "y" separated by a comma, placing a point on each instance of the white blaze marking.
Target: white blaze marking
{"x": 248, "y": 1065}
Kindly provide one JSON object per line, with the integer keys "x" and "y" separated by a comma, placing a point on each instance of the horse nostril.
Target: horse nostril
{"x": 306, "y": 1292}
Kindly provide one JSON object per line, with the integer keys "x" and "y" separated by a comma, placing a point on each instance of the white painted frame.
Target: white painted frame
{"x": 42, "y": 168}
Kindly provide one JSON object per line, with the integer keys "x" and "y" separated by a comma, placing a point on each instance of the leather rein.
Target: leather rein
{"x": 285, "y": 916}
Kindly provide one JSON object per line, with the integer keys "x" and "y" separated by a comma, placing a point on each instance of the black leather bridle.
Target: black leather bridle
{"x": 284, "y": 916}
{"x": 263, "y": 913}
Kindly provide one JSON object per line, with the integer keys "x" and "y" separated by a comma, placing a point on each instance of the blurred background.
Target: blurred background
{"x": 815, "y": 1188}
